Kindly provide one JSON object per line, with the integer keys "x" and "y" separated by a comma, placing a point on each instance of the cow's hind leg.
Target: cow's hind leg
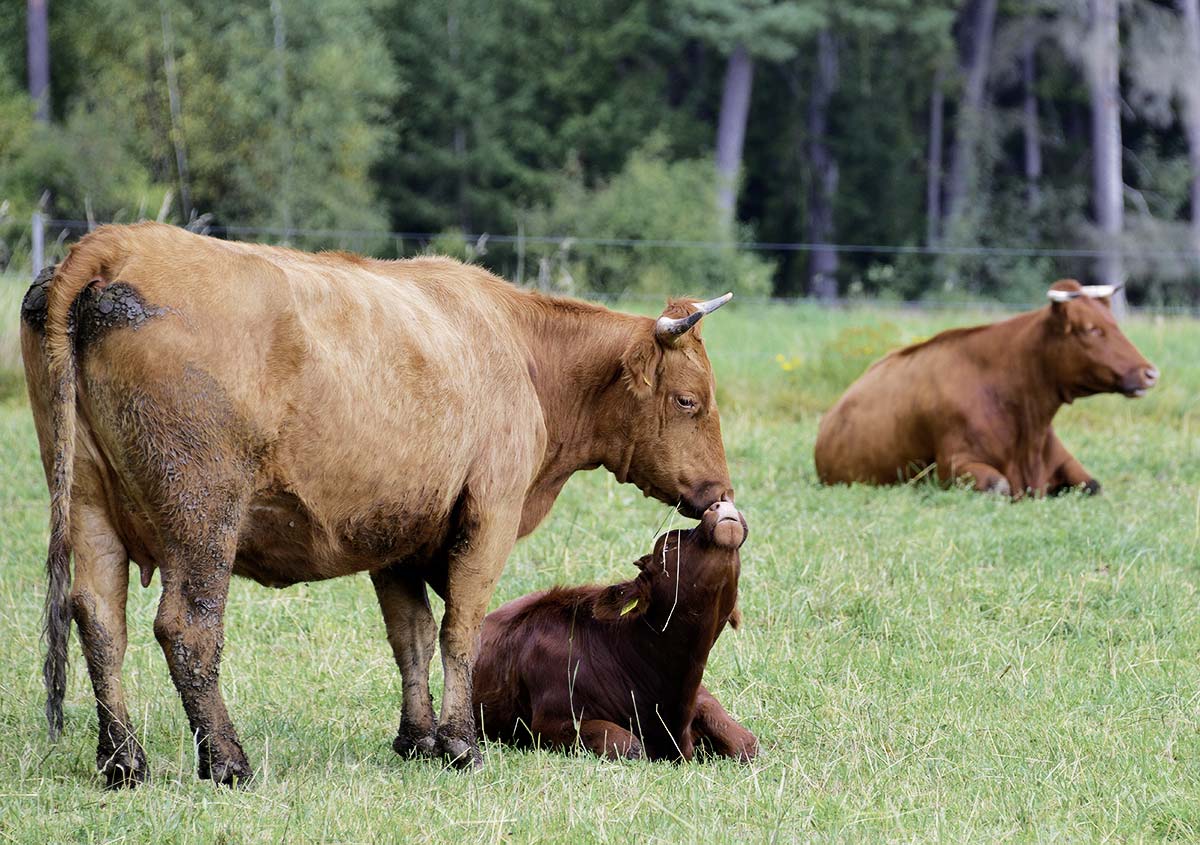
{"x": 190, "y": 628}
{"x": 98, "y": 596}
{"x": 718, "y": 732}
{"x": 411, "y": 632}
{"x": 486, "y": 536}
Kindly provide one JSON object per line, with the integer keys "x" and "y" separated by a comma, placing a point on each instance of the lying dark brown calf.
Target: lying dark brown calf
{"x": 618, "y": 668}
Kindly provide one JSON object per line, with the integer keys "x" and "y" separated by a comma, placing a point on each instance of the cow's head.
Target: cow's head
{"x": 1088, "y": 351}
{"x": 664, "y": 413}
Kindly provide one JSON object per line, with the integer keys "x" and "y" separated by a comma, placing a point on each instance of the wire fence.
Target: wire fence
{"x": 50, "y": 237}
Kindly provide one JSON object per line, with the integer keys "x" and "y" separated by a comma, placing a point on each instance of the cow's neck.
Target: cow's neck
{"x": 687, "y": 612}
{"x": 1031, "y": 394}
{"x": 669, "y": 647}
{"x": 575, "y": 352}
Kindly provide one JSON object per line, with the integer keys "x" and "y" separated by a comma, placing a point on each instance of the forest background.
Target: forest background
{"x": 902, "y": 149}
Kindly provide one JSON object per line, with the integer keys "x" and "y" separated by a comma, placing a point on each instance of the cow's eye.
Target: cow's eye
{"x": 686, "y": 402}
{"x": 1095, "y": 331}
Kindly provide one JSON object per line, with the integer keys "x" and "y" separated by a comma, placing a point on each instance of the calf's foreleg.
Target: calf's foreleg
{"x": 714, "y": 729}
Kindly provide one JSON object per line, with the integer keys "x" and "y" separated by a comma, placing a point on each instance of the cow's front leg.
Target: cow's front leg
{"x": 411, "y": 632}
{"x": 719, "y": 732}
{"x": 485, "y": 538}
{"x": 1068, "y": 473}
{"x": 190, "y": 627}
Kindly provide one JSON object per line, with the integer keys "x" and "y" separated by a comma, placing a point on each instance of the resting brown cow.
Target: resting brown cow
{"x": 618, "y": 668}
{"x": 979, "y": 401}
{"x": 209, "y": 408}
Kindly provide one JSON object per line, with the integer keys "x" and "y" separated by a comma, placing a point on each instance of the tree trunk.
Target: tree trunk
{"x": 284, "y": 201}
{"x": 38, "y": 31}
{"x": 731, "y": 131}
{"x": 1191, "y": 108}
{"x": 1101, "y": 56}
{"x": 176, "y": 106}
{"x": 1029, "y": 117}
{"x": 822, "y": 277}
{"x": 969, "y": 129}
{"x": 459, "y": 142}
{"x": 933, "y": 179}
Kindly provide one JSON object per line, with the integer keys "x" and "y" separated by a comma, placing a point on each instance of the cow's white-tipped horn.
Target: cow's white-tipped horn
{"x": 1063, "y": 295}
{"x": 1099, "y": 291}
{"x": 672, "y": 327}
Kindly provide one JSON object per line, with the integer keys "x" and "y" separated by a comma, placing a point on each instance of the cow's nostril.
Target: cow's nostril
{"x": 1151, "y": 375}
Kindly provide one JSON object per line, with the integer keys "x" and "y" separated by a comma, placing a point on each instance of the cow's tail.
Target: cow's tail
{"x": 93, "y": 257}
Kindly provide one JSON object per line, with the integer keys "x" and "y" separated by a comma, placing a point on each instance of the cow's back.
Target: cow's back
{"x": 885, "y": 427}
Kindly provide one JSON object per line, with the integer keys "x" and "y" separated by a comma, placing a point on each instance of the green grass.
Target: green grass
{"x": 918, "y": 663}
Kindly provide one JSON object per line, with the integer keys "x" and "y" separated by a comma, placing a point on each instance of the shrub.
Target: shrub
{"x": 650, "y": 200}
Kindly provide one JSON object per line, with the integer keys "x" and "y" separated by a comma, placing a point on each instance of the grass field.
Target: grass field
{"x": 919, "y": 664}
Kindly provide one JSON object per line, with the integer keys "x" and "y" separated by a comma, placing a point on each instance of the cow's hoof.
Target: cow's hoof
{"x": 413, "y": 744}
{"x": 125, "y": 773}
{"x": 458, "y": 752}
{"x": 124, "y": 767}
{"x": 235, "y": 773}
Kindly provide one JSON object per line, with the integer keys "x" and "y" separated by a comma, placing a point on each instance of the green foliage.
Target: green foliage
{"x": 651, "y": 199}
{"x": 769, "y": 29}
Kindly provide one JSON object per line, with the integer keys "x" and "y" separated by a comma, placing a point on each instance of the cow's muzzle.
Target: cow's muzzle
{"x": 701, "y": 498}
{"x": 1137, "y": 381}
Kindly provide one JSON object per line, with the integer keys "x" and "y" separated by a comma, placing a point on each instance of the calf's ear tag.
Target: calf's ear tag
{"x": 633, "y": 603}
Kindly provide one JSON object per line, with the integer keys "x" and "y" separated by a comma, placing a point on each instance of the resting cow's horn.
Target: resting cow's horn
{"x": 668, "y": 328}
{"x": 1063, "y": 295}
{"x": 1099, "y": 291}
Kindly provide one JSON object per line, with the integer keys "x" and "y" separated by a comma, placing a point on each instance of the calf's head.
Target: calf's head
{"x": 662, "y": 413}
{"x": 688, "y": 571}
{"x": 1087, "y": 351}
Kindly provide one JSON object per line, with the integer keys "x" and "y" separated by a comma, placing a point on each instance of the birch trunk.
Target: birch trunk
{"x": 1191, "y": 107}
{"x": 1029, "y": 117}
{"x": 38, "y": 32}
{"x": 822, "y": 278}
{"x": 933, "y": 179}
{"x": 969, "y": 128}
{"x": 1101, "y": 63}
{"x": 731, "y": 131}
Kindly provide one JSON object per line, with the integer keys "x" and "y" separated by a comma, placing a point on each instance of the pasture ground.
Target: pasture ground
{"x": 919, "y": 664}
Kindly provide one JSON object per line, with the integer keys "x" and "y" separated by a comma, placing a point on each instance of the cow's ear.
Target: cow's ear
{"x": 622, "y": 601}
{"x": 639, "y": 365}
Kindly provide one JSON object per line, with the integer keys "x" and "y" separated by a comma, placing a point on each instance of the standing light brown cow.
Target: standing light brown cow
{"x": 979, "y": 401}
{"x": 209, "y": 408}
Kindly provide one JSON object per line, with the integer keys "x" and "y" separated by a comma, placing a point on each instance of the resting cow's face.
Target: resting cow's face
{"x": 671, "y": 429}
{"x": 1089, "y": 351}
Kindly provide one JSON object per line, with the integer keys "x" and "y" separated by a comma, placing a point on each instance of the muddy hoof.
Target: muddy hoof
{"x": 458, "y": 752}
{"x": 123, "y": 769}
{"x": 125, "y": 774}
{"x": 413, "y": 745}
{"x": 236, "y": 773}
